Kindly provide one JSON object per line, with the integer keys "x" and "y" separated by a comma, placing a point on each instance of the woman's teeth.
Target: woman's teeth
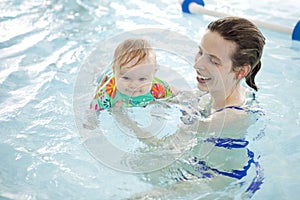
{"x": 203, "y": 77}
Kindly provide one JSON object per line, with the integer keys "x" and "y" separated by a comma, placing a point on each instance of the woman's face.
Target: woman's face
{"x": 213, "y": 64}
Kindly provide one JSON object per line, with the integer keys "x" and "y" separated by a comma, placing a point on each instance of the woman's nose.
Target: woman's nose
{"x": 199, "y": 63}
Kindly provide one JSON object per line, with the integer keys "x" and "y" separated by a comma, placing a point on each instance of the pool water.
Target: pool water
{"x": 43, "y": 45}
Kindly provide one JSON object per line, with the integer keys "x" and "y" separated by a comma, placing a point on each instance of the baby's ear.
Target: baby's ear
{"x": 243, "y": 72}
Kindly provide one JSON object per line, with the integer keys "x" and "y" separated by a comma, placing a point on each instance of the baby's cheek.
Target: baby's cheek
{"x": 121, "y": 88}
{"x": 147, "y": 87}
{"x": 143, "y": 89}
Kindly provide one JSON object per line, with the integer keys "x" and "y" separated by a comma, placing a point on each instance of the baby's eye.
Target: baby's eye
{"x": 125, "y": 78}
{"x": 142, "y": 79}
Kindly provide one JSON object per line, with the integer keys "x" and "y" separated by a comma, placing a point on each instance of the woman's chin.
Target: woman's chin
{"x": 202, "y": 87}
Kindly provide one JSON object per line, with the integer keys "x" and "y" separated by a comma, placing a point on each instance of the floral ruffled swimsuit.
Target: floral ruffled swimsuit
{"x": 107, "y": 95}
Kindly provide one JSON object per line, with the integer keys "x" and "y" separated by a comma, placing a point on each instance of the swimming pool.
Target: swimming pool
{"x": 43, "y": 46}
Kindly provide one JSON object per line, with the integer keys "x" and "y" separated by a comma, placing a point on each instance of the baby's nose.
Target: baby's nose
{"x": 133, "y": 85}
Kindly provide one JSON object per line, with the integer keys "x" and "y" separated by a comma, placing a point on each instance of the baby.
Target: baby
{"x": 133, "y": 81}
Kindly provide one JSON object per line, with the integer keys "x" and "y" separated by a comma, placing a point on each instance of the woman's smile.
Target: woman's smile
{"x": 202, "y": 79}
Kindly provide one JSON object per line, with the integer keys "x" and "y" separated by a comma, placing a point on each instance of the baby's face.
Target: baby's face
{"x": 135, "y": 80}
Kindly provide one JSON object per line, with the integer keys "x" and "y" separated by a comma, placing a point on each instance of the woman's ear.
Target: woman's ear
{"x": 243, "y": 72}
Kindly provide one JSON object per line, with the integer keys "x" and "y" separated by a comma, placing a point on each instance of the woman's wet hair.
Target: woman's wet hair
{"x": 249, "y": 43}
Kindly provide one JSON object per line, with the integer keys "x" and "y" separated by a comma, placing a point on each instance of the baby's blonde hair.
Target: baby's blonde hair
{"x": 131, "y": 49}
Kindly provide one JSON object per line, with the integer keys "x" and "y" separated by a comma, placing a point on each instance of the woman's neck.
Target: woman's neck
{"x": 232, "y": 98}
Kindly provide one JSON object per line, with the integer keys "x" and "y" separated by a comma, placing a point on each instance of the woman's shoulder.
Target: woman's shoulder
{"x": 250, "y": 105}
{"x": 245, "y": 114}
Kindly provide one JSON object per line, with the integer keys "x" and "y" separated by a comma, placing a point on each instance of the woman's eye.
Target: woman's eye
{"x": 199, "y": 54}
{"x": 213, "y": 61}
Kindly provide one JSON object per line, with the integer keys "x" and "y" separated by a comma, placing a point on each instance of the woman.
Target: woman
{"x": 229, "y": 52}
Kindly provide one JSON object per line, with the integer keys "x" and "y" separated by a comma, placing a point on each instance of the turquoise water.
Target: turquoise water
{"x": 43, "y": 45}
